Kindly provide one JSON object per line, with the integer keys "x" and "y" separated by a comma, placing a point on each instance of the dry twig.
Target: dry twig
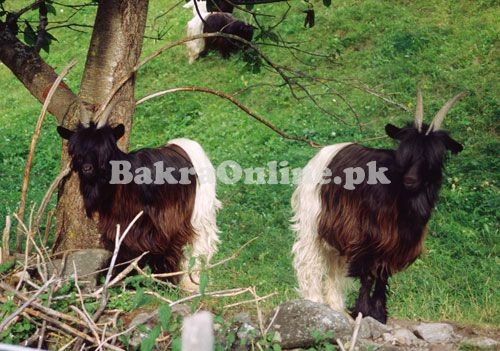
{"x": 4, "y": 251}
{"x": 13, "y": 315}
{"x": 36, "y": 134}
{"x": 356, "y": 331}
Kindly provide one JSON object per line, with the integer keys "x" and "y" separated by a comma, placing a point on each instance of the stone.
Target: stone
{"x": 90, "y": 264}
{"x": 298, "y": 321}
{"x": 389, "y": 338}
{"x": 246, "y": 332}
{"x": 481, "y": 343}
{"x": 434, "y": 332}
{"x": 442, "y": 347}
{"x": 371, "y": 328}
{"x": 404, "y": 337}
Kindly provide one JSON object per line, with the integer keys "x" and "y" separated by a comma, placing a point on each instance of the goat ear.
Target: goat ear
{"x": 452, "y": 145}
{"x": 119, "y": 131}
{"x": 64, "y": 133}
{"x": 392, "y": 131}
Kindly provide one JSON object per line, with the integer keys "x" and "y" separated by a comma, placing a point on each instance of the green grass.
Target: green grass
{"x": 391, "y": 46}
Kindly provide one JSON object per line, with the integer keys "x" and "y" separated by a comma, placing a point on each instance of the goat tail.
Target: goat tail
{"x": 206, "y": 203}
{"x": 319, "y": 275}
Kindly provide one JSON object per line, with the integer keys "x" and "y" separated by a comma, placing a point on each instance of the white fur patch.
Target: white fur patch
{"x": 204, "y": 218}
{"x": 320, "y": 270}
{"x": 194, "y": 27}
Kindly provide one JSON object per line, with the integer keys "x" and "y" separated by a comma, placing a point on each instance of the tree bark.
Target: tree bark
{"x": 114, "y": 50}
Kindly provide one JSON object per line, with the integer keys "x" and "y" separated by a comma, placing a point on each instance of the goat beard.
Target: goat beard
{"x": 96, "y": 195}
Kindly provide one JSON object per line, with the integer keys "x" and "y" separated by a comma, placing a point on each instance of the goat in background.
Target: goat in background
{"x": 374, "y": 230}
{"x": 204, "y": 21}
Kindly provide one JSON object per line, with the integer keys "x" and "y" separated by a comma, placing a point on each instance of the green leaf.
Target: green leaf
{"x": 140, "y": 298}
{"x": 150, "y": 341}
{"x": 29, "y": 34}
{"x": 165, "y": 313}
{"x": 203, "y": 282}
{"x": 51, "y": 9}
{"x": 176, "y": 344}
{"x": 46, "y": 47}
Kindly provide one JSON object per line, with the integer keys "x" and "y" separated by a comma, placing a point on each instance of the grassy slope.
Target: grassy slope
{"x": 444, "y": 46}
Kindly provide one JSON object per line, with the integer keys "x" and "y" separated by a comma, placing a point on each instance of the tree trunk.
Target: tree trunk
{"x": 114, "y": 50}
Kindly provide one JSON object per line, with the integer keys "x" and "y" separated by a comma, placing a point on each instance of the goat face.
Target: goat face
{"x": 91, "y": 148}
{"x": 420, "y": 155}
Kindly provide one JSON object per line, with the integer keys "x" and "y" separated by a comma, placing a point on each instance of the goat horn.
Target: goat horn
{"x": 102, "y": 118}
{"x": 438, "y": 119}
{"x": 84, "y": 114}
{"x": 419, "y": 112}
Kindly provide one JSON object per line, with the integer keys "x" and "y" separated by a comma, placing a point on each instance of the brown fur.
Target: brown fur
{"x": 163, "y": 230}
{"x": 374, "y": 214}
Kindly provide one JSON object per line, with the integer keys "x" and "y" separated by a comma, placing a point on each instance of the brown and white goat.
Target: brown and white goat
{"x": 374, "y": 229}
{"x": 177, "y": 212}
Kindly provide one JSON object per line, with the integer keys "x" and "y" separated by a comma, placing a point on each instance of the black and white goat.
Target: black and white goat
{"x": 176, "y": 213}
{"x": 204, "y": 21}
{"x": 376, "y": 228}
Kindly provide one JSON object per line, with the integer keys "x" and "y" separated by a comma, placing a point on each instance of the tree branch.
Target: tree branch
{"x": 235, "y": 102}
{"x": 35, "y": 74}
{"x": 41, "y": 38}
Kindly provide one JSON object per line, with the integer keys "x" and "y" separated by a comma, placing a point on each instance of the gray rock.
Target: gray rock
{"x": 147, "y": 320}
{"x": 367, "y": 345}
{"x": 442, "y": 347}
{"x": 435, "y": 332}
{"x": 297, "y": 321}
{"x": 89, "y": 265}
{"x": 404, "y": 337}
{"x": 144, "y": 322}
{"x": 246, "y": 332}
{"x": 371, "y": 328}
{"x": 480, "y": 343}
{"x": 389, "y": 338}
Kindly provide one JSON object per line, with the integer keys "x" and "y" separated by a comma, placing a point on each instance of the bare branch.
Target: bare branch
{"x": 7, "y": 320}
{"x": 4, "y": 252}
{"x": 42, "y": 26}
{"x": 223, "y": 261}
{"x": 356, "y": 331}
{"x": 235, "y": 102}
{"x": 34, "y": 140}
{"x": 45, "y": 201}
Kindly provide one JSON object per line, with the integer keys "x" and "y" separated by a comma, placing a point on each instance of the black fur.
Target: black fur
{"x": 228, "y": 24}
